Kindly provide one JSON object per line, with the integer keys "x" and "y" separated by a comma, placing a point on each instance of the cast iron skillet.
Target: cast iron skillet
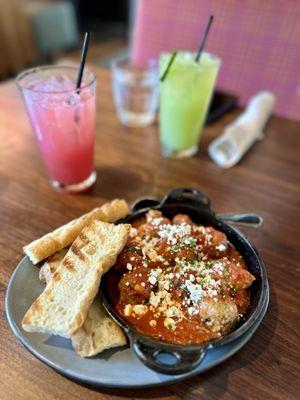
{"x": 185, "y": 358}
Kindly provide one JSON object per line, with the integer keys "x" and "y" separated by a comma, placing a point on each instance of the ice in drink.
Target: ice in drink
{"x": 64, "y": 123}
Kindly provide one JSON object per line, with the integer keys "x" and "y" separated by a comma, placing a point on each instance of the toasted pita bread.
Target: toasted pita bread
{"x": 99, "y": 332}
{"x": 51, "y": 265}
{"x": 63, "y": 306}
{"x": 65, "y": 235}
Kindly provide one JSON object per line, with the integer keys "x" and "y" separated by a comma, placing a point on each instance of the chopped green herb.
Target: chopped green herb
{"x": 131, "y": 248}
{"x": 192, "y": 243}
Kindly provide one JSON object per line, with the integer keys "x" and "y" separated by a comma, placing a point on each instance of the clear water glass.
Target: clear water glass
{"x": 136, "y": 92}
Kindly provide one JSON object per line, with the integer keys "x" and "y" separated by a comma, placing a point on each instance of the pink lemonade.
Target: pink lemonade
{"x": 64, "y": 123}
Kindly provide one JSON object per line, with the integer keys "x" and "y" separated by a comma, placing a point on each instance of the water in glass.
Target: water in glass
{"x": 136, "y": 94}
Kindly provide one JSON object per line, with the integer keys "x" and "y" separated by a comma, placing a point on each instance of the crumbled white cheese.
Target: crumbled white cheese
{"x": 193, "y": 311}
{"x": 211, "y": 292}
{"x": 156, "y": 298}
{"x": 154, "y": 274}
{"x": 133, "y": 232}
{"x": 128, "y": 310}
{"x": 164, "y": 284}
{"x": 153, "y": 214}
{"x": 169, "y": 323}
{"x": 156, "y": 221}
{"x": 129, "y": 266}
{"x": 152, "y": 279}
{"x": 218, "y": 267}
{"x": 140, "y": 309}
{"x": 174, "y": 232}
{"x": 173, "y": 312}
{"x": 195, "y": 291}
{"x": 221, "y": 247}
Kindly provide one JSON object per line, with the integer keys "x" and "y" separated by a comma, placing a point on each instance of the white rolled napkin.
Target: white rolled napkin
{"x": 238, "y": 137}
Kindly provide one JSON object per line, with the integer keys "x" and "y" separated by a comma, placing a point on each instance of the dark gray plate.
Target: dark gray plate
{"x": 113, "y": 368}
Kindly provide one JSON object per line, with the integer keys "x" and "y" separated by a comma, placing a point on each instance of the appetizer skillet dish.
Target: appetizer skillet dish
{"x": 179, "y": 282}
{"x": 173, "y": 286}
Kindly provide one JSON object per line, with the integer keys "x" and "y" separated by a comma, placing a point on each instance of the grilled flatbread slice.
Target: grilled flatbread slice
{"x": 62, "y": 308}
{"x": 62, "y": 237}
{"x": 99, "y": 332}
{"x": 51, "y": 265}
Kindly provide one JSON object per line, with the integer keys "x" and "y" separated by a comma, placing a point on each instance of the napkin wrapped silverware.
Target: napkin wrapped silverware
{"x": 238, "y": 137}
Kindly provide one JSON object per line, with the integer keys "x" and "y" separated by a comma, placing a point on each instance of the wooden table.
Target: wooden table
{"x": 129, "y": 165}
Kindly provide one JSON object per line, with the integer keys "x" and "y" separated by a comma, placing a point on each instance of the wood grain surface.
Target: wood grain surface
{"x": 129, "y": 165}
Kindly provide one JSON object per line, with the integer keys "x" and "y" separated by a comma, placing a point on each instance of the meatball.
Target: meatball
{"x": 218, "y": 316}
{"x": 238, "y": 277}
{"x": 157, "y": 215}
{"x": 180, "y": 219}
{"x": 153, "y": 214}
{"x": 215, "y": 243}
{"x": 134, "y": 287}
{"x": 242, "y": 300}
{"x": 132, "y": 254}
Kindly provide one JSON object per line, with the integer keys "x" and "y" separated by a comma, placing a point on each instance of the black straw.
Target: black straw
{"x": 84, "y": 50}
{"x": 163, "y": 77}
{"x": 204, "y": 37}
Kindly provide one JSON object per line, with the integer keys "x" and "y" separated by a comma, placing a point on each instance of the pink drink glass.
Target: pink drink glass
{"x": 63, "y": 120}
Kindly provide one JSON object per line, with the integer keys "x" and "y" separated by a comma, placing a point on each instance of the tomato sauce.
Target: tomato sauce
{"x": 179, "y": 282}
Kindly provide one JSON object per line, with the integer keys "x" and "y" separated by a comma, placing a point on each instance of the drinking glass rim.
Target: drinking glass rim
{"x": 195, "y": 64}
{"x": 115, "y": 64}
{"x": 29, "y": 71}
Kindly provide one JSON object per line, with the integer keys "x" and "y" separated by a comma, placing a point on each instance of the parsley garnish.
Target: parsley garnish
{"x": 192, "y": 243}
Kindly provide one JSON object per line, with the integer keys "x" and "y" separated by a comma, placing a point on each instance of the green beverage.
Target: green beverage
{"x": 185, "y": 96}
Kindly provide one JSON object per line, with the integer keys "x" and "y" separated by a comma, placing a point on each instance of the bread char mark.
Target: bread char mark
{"x": 84, "y": 238}
{"x": 68, "y": 264}
{"x": 56, "y": 276}
{"x": 77, "y": 251}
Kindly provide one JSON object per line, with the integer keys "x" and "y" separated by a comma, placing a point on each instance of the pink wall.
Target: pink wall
{"x": 258, "y": 42}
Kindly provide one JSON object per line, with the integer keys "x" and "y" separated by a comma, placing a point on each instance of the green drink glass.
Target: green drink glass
{"x": 185, "y": 95}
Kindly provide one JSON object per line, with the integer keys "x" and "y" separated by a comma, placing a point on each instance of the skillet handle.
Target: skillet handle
{"x": 188, "y": 196}
{"x": 144, "y": 203}
{"x": 166, "y": 361}
{"x": 244, "y": 219}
